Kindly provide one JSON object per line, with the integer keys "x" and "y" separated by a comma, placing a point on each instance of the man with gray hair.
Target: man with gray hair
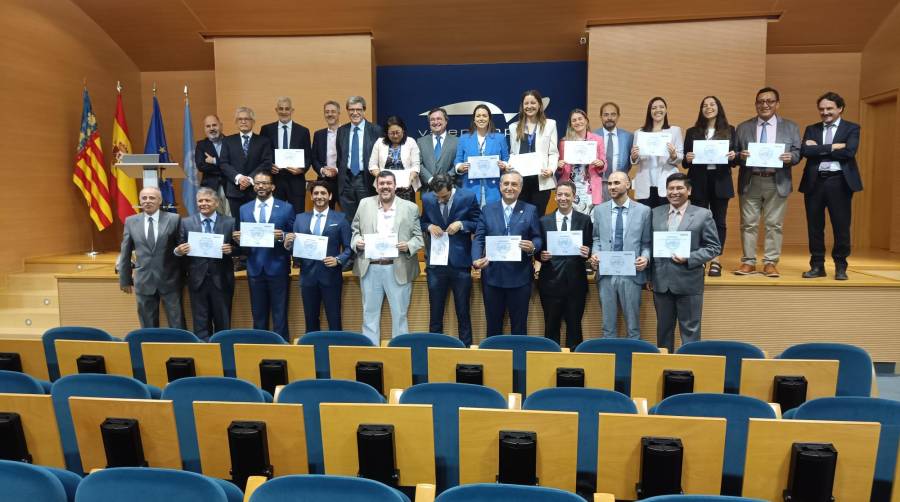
{"x": 284, "y": 133}
{"x": 242, "y": 155}
{"x": 354, "y": 146}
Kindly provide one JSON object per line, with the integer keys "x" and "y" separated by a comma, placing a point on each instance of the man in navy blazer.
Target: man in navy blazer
{"x": 506, "y": 285}
{"x": 242, "y": 155}
{"x": 290, "y": 182}
{"x": 206, "y": 153}
{"x": 321, "y": 281}
{"x": 617, "y": 141}
{"x": 324, "y": 156}
{"x": 268, "y": 269}
{"x": 355, "y": 183}
{"x": 830, "y": 178}
{"x": 455, "y": 212}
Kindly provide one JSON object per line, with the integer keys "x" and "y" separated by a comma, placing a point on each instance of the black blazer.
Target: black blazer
{"x": 219, "y": 271}
{"x": 370, "y": 134}
{"x": 320, "y": 150}
{"x": 299, "y": 138}
{"x": 699, "y": 175}
{"x": 233, "y": 162}
{"x": 565, "y": 273}
{"x": 848, "y": 133}
{"x": 212, "y": 173}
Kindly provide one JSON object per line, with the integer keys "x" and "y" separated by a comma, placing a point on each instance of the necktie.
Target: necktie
{"x": 207, "y": 225}
{"x": 445, "y": 212}
{"x": 829, "y": 134}
{"x": 674, "y": 221}
{"x": 262, "y": 214}
{"x": 507, "y": 213}
{"x": 245, "y": 144}
{"x": 437, "y": 149}
{"x": 609, "y": 152}
{"x": 354, "y": 151}
{"x": 151, "y": 233}
{"x": 763, "y": 135}
{"x": 317, "y": 228}
{"x": 285, "y": 143}
{"x": 565, "y": 224}
{"x": 619, "y": 232}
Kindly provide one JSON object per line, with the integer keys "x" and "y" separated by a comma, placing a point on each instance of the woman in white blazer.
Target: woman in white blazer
{"x": 397, "y": 152}
{"x": 649, "y": 182}
{"x": 534, "y": 132}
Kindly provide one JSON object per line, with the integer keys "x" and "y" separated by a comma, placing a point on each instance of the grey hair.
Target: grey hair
{"x": 356, "y": 100}
{"x": 208, "y": 192}
{"x": 247, "y": 110}
{"x": 284, "y": 99}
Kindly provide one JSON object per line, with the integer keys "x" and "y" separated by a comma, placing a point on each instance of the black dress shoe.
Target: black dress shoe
{"x": 815, "y": 271}
{"x": 840, "y": 274}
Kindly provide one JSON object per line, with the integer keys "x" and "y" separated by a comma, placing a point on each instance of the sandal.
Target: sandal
{"x": 715, "y": 269}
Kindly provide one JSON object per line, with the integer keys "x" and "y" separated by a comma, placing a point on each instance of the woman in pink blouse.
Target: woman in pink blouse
{"x": 588, "y": 178}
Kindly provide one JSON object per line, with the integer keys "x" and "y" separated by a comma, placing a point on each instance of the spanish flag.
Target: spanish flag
{"x": 90, "y": 175}
{"x": 123, "y": 187}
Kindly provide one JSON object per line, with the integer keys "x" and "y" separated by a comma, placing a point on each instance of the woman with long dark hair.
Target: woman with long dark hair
{"x": 649, "y": 181}
{"x": 482, "y": 140}
{"x": 534, "y": 132}
{"x": 397, "y": 152}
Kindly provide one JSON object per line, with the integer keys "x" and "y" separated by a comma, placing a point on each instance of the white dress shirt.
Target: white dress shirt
{"x": 312, "y": 221}
{"x": 281, "y": 126}
{"x": 559, "y": 219}
{"x": 615, "y": 142}
{"x": 626, "y": 207}
{"x": 155, "y": 217}
{"x": 269, "y": 203}
{"x": 385, "y": 222}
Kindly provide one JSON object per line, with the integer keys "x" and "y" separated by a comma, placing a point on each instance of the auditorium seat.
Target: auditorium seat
{"x": 855, "y": 373}
{"x": 184, "y": 391}
{"x": 317, "y": 487}
{"x": 622, "y": 348}
{"x": 734, "y": 353}
{"x": 321, "y": 340}
{"x": 588, "y": 403}
{"x": 13, "y": 382}
{"x": 699, "y": 498}
{"x": 160, "y": 335}
{"x": 519, "y": 345}
{"x": 147, "y": 484}
{"x": 87, "y": 385}
{"x": 737, "y": 411}
{"x": 863, "y": 409}
{"x": 69, "y": 333}
{"x": 446, "y": 399}
{"x": 30, "y": 483}
{"x": 491, "y": 492}
{"x": 418, "y": 344}
{"x": 227, "y": 338}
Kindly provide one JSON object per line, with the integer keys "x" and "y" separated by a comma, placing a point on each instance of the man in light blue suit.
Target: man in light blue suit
{"x": 618, "y": 142}
{"x": 621, "y": 224}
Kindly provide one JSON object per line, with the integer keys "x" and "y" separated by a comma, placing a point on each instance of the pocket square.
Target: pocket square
{"x": 333, "y": 225}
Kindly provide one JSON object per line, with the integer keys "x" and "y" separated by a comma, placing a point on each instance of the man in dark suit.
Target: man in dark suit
{"x": 152, "y": 235}
{"x": 290, "y": 181}
{"x": 506, "y": 285}
{"x": 436, "y": 150}
{"x": 354, "y": 146}
{"x": 321, "y": 281}
{"x": 243, "y": 155}
{"x": 206, "y": 154}
{"x": 562, "y": 281}
{"x": 830, "y": 178}
{"x": 268, "y": 269}
{"x": 618, "y": 142}
{"x": 210, "y": 280}
{"x": 678, "y": 280}
{"x": 324, "y": 157}
{"x": 455, "y": 212}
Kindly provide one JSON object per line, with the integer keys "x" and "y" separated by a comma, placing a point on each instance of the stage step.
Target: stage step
{"x": 29, "y": 318}
{"x": 34, "y": 299}
{"x": 30, "y": 281}
{"x": 65, "y": 268}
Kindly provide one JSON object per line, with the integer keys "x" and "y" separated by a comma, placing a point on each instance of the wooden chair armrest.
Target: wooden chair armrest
{"x": 663, "y": 350}
{"x": 253, "y": 482}
{"x": 514, "y": 401}
{"x": 604, "y": 497}
{"x": 424, "y": 492}
{"x": 777, "y": 409}
{"x": 394, "y": 396}
{"x": 278, "y": 389}
{"x": 565, "y": 349}
{"x": 473, "y": 346}
{"x": 641, "y": 404}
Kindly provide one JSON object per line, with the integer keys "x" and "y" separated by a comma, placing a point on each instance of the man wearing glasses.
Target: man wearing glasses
{"x": 354, "y": 146}
{"x": 242, "y": 155}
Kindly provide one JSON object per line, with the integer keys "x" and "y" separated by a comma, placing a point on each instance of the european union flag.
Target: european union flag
{"x": 190, "y": 185}
{"x": 156, "y": 143}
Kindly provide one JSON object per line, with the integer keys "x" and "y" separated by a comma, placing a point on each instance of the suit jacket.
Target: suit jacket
{"x": 409, "y": 157}
{"x": 523, "y": 222}
{"x": 429, "y": 166}
{"x": 596, "y": 174}
{"x": 212, "y": 173}
{"x": 638, "y": 236}
{"x": 565, "y": 273}
{"x": 337, "y": 229}
{"x": 233, "y": 162}
{"x": 464, "y": 209}
{"x": 545, "y": 144}
{"x": 156, "y": 269}
{"x": 847, "y": 132}
{"x": 319, "y": 156}
{"x": 700, "y": 174}
{"x": 299, "y": 139}
{"x": 269, "y": 261}
{"x": 494, "y": 144}
{"x": 686, "y": 278}
{"x": 626, "y": 140}
{"x": 370, "y": 134}
{"x": 786, "y": 132}
{"x": 407, "y": 227}
{"x": 219, "y": 271}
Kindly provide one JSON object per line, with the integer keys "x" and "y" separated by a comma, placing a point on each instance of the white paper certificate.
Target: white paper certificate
{"x": 666, "y": 244}
{"x": 402, "y": 177}
{"x": 616, "y": 263}
{"x": 580, "y": 152}
{"x": 257, "y": 235}
{"x": 484, "y": 166}
{"x": 440, "y": 250}
{"x": 526, "y": 164}
{"x": 765, "y": 155}
{"x": 713, "y": 151}
{"x": 566, "y": 243}
{"x": 503, "y": 248}
{"x": 380, "y": 246}
{"x": 289, "y": 157}
{"x": 654, "y": 143}
{"x": 205, "y": 245}
{"x": 311, "y": 247}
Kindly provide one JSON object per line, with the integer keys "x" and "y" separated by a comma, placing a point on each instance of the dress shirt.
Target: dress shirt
{"x": 559, "y": 219}
{"x": 385, "y": 223}
{"x": 257, "y": 203}
{"x": 626, "y": 207}
{"x": 834, "y": 165}
{"x": 249, "y": 136}
{"x": 212, "y": 221}
{"x": 155, "y": 217}
{"x": 434, "y": 139}
{"x": 312, "y": 221}
{"x": 615, "y": 142}
{"x": 363, "y": 162}
{"x": 770, "y": 130}
{"x": 676, "y": 215}
{"x": 290, "y": 126}
{"x": 217, "y": 144}
{"x": 331, "y": 148}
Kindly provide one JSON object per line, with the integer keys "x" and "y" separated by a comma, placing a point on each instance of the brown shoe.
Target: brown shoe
{"x": 770, "y": 271}
{"x": 745, "y": 269}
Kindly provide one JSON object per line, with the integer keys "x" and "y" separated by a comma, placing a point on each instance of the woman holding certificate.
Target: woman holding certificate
{"x": 481, "y": 157}
{"x": 399, "y": 153}
{"x": 657, "y": 150}
{"x": 709, "y": 156}
{"x": 587, "y": 168}
{"x": 533, "y": 133}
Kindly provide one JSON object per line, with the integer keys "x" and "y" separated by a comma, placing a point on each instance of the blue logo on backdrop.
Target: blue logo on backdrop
{"x": 410, "y": 91}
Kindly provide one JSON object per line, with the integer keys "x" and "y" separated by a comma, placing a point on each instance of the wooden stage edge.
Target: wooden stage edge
{"x": 770, "y": 313}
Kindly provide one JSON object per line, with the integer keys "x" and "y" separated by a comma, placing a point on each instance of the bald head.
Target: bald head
{"x": 618, "y": 185}
{"x": 212, "y": 126}
{"x": 150, "y": 199}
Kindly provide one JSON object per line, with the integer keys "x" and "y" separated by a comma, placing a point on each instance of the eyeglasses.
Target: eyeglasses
{"x": 244, "y": 119}
{"x": 768, "y": 102}
{"x": 356, "y": 110}
{"x": 263, "y": 183}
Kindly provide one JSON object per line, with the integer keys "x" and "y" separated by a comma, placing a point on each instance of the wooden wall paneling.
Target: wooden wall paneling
{"x": 874, "y": 214}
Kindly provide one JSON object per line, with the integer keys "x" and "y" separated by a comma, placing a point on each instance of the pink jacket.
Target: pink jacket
{"x": 596, "y": 173}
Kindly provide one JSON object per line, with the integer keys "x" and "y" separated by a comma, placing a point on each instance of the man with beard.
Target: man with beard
{"x": 618, "y": 143}
{"x": 324, "y": 156}
{"x": 206, "y": 158}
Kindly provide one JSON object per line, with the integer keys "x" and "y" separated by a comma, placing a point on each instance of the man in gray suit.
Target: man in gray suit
{"x": 387, "y": 216}
{"x": 436, "y": 150}
{"x": 152, "y": 235}
{"x": 765, "y": 190}
{"x": 618, "y": 142}
{"x": 621, "y": 224}
{"x": 678, "y": 280}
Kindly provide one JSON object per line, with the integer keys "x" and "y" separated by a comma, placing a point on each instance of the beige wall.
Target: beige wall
{"x": 48, "y": 47}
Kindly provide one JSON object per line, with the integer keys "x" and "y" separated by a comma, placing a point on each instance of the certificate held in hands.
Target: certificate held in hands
{"x": 654, "y": 144}
{"x": 765, "y": 155}
{"x": 484, "y": 166}
{"x": 668, "y": 244}
{"x": 289, "y": 157}
{"x": 439, "y": 253}
{"x": 381, "y": 246}
{"x": 526, "y": 164}
{"x": 713, "y": 151}
{"x": 205, "y": 245}
{"x": 503, "y": 248}
{"x": 616, "y": 263}
{"x": 566, "y": 243}
{"x": 257, "y": 235}
{"x": 580, "y": 152}
{"x": 310, "y": 247}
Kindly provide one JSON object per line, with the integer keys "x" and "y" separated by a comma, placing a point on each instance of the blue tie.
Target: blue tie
{"x": 763, "y": 135}
{"x": 618, "y": 234}
{"x": 262, "y": 214}
{"x": 317, "y": 228}
{"x": 507, "y": 213}
{"x": 609, "y": 153}
{"x": 437, "y": 149}
{"x": 245, "y": 144}
{"x": 207, "y": 225}
{"x": 285, "y": 143}
{"x": 354, "y": 151}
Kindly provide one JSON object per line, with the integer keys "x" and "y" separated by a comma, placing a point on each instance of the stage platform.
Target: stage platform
{"x": 770, "y": 313}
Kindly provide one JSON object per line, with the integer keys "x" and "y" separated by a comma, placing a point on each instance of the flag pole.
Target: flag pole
{"x": 93, "y": 252}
